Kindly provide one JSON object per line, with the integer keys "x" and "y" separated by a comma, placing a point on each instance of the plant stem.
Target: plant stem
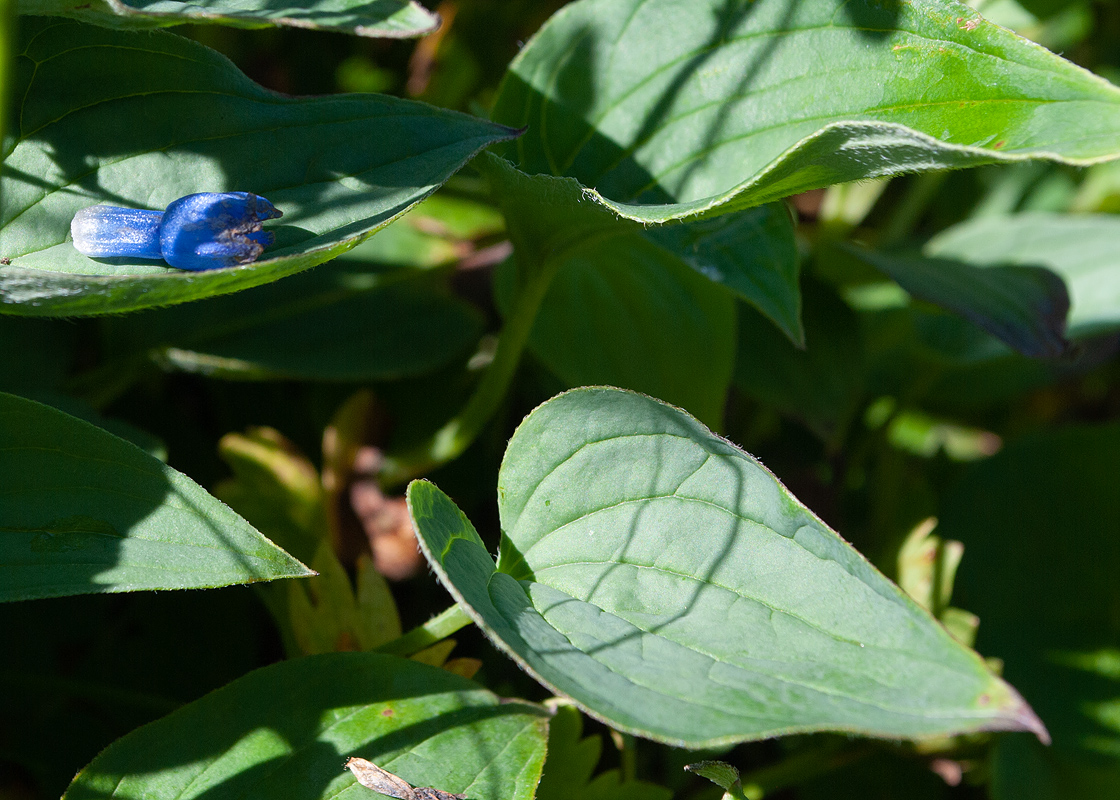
{"x": 913, "y": 204}
{"x": 438, "y": 627}
{"x": 455, "y": 436}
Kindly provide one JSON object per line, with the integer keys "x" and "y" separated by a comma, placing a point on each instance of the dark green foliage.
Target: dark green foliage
{"x": 545, "y": 258}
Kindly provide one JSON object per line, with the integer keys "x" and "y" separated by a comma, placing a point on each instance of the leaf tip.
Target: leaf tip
{"x": 1012, "y": 712}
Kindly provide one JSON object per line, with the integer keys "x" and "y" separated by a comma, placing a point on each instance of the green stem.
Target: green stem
{"x": 437, "y": 628}
{"x": 909, "y": 210}
{"x": 453, "y": 438}
{"x": 628, "y": 759}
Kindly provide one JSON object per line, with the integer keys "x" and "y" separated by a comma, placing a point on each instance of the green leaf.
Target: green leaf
{"x": 623, "y": 312}
{"x": 718, "y": 772}
{"x": 753, "y": 253}
{"x": 1024, "y": 306}
{"x": 620, "y": 309}
{"x": 142, "y": 129}
{"x": 820, "y": 384}
{"x": 85, "y": 512}
{"x": 150, "y": 444}
{"x": 671, "y": 586}
{"x": 394, "y": 19}
{"x": 284, "y": 731}
{"x": 1039, "y": 522}
{"x": 668, "y": 109}
{"x": 572, "y": 760}
{"x": 341, "y": 322}
{"x": 1081, "y": 249}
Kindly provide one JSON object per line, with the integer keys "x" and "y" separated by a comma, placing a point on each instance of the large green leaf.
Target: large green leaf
{"x": 284, "y": 731}
{"x": 752, "y": 253}
{"x": 641, "y": 308}
{"x": 624, "y": 312}
{"x": 672, "y": 108}
{"x": 1039, "y": 523}
{"x": 339, "y": 322}
{"x": 1081, "y": 249}
{"x": 389, "y": 18}
{"x": 156, "y": 116}
{"x": 668, "y": 583}
{"x": 84, "y": 512}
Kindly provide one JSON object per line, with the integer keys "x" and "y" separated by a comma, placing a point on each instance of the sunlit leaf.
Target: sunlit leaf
{"x": 668, "y": 583}
{"x": 284, "y": 732}
{"x": 671, "y": 108}
{"x": 393, "y": 19}
{"x": 156, "y": 117}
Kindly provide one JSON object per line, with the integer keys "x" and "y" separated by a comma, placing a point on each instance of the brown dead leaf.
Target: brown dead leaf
{"x": 373, "y": 777}
{"x": 387, "y": 525}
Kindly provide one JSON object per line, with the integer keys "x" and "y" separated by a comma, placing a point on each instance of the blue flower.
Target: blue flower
{"x": 196, "y": 232}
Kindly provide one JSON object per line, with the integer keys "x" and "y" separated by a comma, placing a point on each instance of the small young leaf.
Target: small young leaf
{"x": 572, "y": 761}
{"x": 718, "y": 772}
{"x": 671, "y": 586}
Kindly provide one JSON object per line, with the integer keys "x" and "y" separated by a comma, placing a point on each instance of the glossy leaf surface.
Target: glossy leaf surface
{"x": 388, "y": 18}
{"x": 667, "y": 582}
{"x": 85, "y": 512}
{"x": 284, "y": 731}
{"x": 674, "y": 108}
{"x": 349, "y": 165}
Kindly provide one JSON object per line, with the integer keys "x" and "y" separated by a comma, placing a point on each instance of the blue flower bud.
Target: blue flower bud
{"x": 107, "y": 231}
{"x": 204, "y": 231}
{"x": 196, "y": 232}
